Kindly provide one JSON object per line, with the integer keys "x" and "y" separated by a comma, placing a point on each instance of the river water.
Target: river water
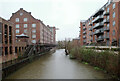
{"x": 57, "y": 66}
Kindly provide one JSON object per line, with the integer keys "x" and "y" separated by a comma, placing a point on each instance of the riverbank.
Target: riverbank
{"x": 103, "y": 60}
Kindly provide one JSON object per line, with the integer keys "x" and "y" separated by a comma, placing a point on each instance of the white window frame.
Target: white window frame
{"x": 34, "y": 25}
{"x": 25, "y": 19}
{"x": 113, "y": 14}
{"x": 17, "y": 26}
{"x": 114, "y": 5}
{"x": 33, "y": 36}
{"x": 25, "y": 30}
{"x": 17, "y": 31}
{"x": 34, "y": 31}
{"x": 17, "y": 19}
{"x": 34, "y": 41}
{"x": 25, "y": 25}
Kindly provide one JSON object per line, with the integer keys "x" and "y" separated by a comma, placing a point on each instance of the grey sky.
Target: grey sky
{"x": 63, "y": 14}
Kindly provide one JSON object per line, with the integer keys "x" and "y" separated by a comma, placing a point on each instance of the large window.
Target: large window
{"x": 33, "y": 25}
{"x": 33, "y": 41}
{"x": 33, "y": 36}
{"x": 107, "y": 17}
{"x": 113, "y": 23}
{"x": 107, "y": 9}
{"x": 113, "y": 14}
{"x": 17, "y": 25}
{"x": 17, "y": 31}
{"x": 25, "y": 25}
{"x": 21, "y": 13}
{"x": 25, "y": 19}
{"x": 113, "y": 32}
{"x": 33, "y": 31}
{"x": 113, "y": 5}
{"x": 25, "y": 30}
{"x": 17, "y": 19}
{"x": 107, "y": 25}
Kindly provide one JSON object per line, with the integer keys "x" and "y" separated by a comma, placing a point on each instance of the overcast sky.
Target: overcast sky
{"x": 63, "y": 14}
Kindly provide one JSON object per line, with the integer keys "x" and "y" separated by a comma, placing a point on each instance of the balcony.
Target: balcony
{"x": 84, "y": 32}
{"x": 91, "y": 34}
{"x": 98, "y": 25}
{"x": 100, "y": 31}
{"x": 106, "y": 29}
{"x": 84, "y": 28}
{"x": 84, "y": 41}
{"x": 90, "y": 29}
{"x": 84, "y": 37}
{"x": 98, "y": 18}
{"x": 105, "y": 13}
{"x": 98, "y": 12}
{"x": 114, "y": 40}
{"x": 100, "y": 38}
{"x": 90, "y": 24}
{"x": 106, "y": 37}
{"x": 106, "y": 21}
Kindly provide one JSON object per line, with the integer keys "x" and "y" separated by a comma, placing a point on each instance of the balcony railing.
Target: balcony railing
{"x": 106, "y": 29}
{"x": 106, "y": 21}
{"x": 84, "y": 37}
{"x": 90, "y": 29}
{"x": 97, "y": 18}
{"x": 105, "y": 13}
{"x": 100, "y": 38}
{"x": 84, "y": 28}
{"x": 84, "y": 41}
{"x": 98, "y": 25}
{"x": 106, "y": 37}
{"x": 84, "y": 32}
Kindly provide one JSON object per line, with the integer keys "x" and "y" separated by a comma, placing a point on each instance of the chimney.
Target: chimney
{"x": 29, "y": 12}
{"x": 21, "y": 8}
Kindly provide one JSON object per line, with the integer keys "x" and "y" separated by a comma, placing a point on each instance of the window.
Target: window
{"x": 17, "y": 19}
{"x": 107, "y": 9}
{"x": 107, "y": 17}
{"x": 25, "y": 25}
{"x": 25, "y": 30}
{"x": 17, "y": 25}
{"x": 17, "y": 31}
{"x": 113, "y": 14}
{"x": 113, "y": 32}
{"x": 21, "y": 14}
{"x": 113, "y": 5}
{"x": 113, "y": 23}
{"x": 107, "y": 25}
{"x": 33, "y": 36}
{"x": 33, "y": 41}
{"x": 25, "y": 19}
{"x": 33, "y": 31}
{"x": 33, "y": 25}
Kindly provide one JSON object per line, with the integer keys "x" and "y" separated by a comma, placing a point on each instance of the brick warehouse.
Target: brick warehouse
{"x": 36, "y": 30}
{"x": 103, "y": 27}
{"x": 6, "y": 40}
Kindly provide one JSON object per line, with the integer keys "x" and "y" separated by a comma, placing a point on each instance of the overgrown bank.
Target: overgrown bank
{"x": 106, "y": 60}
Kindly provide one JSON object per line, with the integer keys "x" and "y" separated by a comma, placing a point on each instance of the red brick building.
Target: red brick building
{"x": 34, "y": 28}
{"x": 6, "y": 41}
{"x": 103, "y": 27}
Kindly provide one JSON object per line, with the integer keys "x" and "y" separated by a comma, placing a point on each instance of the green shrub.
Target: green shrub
{"x": 106, "y": 60}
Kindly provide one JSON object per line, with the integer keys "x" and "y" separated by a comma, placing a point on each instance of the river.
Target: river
{"x": 57, "y": 66}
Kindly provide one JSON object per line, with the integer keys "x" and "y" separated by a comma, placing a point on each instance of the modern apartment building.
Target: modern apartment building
{"x": 103, "y": 27}
{"x": 34, "y": 28}
{"x": 7, "y": 51}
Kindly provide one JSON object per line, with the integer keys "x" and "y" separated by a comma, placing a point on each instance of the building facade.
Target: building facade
{"x": 103, "y": 27}
{"x": 7, "y": 51}
{"x": 34, "y": 28}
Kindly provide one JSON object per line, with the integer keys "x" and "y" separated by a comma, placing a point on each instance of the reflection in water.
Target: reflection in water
{"x": 56, "y": 66}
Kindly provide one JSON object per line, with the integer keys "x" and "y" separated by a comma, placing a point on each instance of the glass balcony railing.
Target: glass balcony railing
{"x": 105, "y": 13}
{"x": 106, "y": 21}
{"x": 98, "y": 25}
{"x": 97, "y": 18}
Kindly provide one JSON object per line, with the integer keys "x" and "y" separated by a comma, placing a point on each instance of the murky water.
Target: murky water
{"x": 57, "y": 66}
